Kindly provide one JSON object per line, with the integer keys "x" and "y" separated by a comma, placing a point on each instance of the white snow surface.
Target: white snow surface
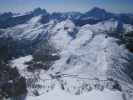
{"x": 33, "y": 79}
{"x": 20, "y": 62}
{"x": 109, "y": 26}
{"x": 128, "y": 27}
{"x": 58, "y": 94}
{"x": 60, "y": 34}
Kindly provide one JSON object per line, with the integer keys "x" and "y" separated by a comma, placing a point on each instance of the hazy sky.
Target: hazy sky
{"x": 66, "y": 5}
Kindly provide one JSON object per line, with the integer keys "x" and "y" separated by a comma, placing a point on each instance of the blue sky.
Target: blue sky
{"x": 66, "y": 5}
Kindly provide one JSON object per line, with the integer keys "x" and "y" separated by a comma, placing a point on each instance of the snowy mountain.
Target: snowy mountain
{"x": 30, "y": 30}
{"x": 92, "y": 16}
{"x": 78, "y": 52}
{"x": 34, "y": 29}
{"x": 86, "y": 50}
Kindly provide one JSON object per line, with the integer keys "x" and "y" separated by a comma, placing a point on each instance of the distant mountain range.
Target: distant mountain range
{"x": 93, "y": 16}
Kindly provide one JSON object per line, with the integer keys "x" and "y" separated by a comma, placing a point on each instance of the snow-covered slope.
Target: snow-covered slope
{"x": 58, "y": 94}
{"x": 38, "y": 82}
{"x": 31, "y": 30}
{"x": 109, "y": 26}
{"x": 93, "y": 54}
{"x": 63, "y": 33}
{"x": 90, "y": 58}
{"x": 90, "y": 49}
{"x": 128, "y": 27}
{"x": 20, "y": 62}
